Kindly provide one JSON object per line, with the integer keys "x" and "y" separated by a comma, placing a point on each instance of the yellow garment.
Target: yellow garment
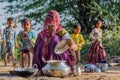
{"x": 78, "y": 39}
{"x": 62, "y": 32}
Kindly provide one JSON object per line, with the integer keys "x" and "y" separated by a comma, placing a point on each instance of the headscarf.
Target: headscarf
{"x": 52, "y": 18}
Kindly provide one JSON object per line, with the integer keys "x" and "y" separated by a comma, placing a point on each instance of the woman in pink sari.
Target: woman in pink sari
{"x": 48, "y": 38}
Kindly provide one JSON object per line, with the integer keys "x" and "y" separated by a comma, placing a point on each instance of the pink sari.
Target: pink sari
{"x": 52, "y": 18}
{"x": 45, "y": 44}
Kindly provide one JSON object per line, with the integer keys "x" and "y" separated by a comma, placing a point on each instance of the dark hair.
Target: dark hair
{"x": 25, "y": 20}
{"x": 10, "y": 19}
{"x": 97, "y": 21}
{"x": 76, "y": 25}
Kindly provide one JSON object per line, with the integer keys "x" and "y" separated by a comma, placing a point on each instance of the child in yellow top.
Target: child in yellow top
{"x": 78, "y": 39}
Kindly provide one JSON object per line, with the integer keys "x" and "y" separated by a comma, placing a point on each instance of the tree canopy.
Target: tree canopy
{"x": 85, "y": 12}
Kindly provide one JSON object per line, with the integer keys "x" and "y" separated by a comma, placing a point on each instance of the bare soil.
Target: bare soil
{"x": 113, "y": 73}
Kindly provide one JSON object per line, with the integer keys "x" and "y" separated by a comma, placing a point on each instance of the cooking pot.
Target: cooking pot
{"x": 56, "y": 68}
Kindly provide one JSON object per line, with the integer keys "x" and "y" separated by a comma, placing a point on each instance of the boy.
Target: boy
{"x": 9, "y": 36}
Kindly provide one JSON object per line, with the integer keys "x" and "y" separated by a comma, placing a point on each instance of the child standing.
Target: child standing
{"x": 78, "y": 39}
{"x": 22, "y": 42}
{"x": 97, "y": 52}
{"x": 9, "y": 36}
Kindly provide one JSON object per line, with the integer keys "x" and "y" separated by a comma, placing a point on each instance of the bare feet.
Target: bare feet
{"x": 5, "y": 64}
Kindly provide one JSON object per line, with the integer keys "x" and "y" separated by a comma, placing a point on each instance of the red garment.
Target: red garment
{"x": 45, "y": 43}
{"x": 96, "y": 54}
{"x": 52, "y": 18}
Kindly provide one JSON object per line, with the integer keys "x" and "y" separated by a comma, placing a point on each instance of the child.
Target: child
{"x": 9, "y": 36}
{"x": 97, "y": 55}
{"x": 22, "y": 43}
{"x": 97, "y": 52}
{"x": 78, "y": 39}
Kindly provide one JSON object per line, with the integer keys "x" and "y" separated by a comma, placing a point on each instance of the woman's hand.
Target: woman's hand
{"x": 71, "y": 45}
{"x": 74, "y": 47}
{"x": 101, "y": 46}
{"x": 79, "y": 44}
{"x": 69, "y": 42}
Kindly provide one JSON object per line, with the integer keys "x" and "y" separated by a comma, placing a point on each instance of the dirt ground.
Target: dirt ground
{"x": 113, "y": 73}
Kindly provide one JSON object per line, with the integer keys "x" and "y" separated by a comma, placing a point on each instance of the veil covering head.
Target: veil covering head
{"x": 45, "y": 43}
{"x": 52, "y": 18}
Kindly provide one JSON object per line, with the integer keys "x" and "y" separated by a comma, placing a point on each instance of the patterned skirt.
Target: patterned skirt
{"x": 96, "y": 54}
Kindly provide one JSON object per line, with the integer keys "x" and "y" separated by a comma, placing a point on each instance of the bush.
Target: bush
{"x": 111, "y": 41}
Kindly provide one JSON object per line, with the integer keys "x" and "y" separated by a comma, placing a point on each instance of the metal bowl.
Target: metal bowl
{"x": 61, "y": 47}
{"x": 13, "y": 72}
{"x": 24, "y": 72}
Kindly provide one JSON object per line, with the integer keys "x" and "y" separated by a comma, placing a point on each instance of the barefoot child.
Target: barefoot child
{"x": 97, "y": 52}
{"x": 78, "y": 39}
{"x": 9, "y": 41}
{"x": 22, "y": 43}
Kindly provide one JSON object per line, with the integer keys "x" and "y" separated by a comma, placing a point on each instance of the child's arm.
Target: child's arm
{"x": 92, "y": 35}
{"x": 15, "y": 39}
{"x": 82, "y": 41}
{"x": 4, "y": 37}
{"x": 33, "y": 39}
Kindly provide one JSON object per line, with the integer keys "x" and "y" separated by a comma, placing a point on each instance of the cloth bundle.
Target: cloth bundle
{"x": 102, "y": 67}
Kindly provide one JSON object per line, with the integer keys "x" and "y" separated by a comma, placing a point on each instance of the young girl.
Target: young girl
{"x": 96, "y": 53}
{"x": 23, "y": 44}
{"x": 78, "y": 39}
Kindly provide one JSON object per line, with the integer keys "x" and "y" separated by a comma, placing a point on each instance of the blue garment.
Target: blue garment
{"x": 8, "y": 50}
{"x": 92, "y": 68}
{"x": 9, "y": 36}
{"x": 31, "y": 36}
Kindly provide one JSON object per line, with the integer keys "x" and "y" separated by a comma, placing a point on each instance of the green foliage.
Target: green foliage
{"x": 83, "y": 11}
{"x": 111, "y": 41}
{"x": 16, "y": 54}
